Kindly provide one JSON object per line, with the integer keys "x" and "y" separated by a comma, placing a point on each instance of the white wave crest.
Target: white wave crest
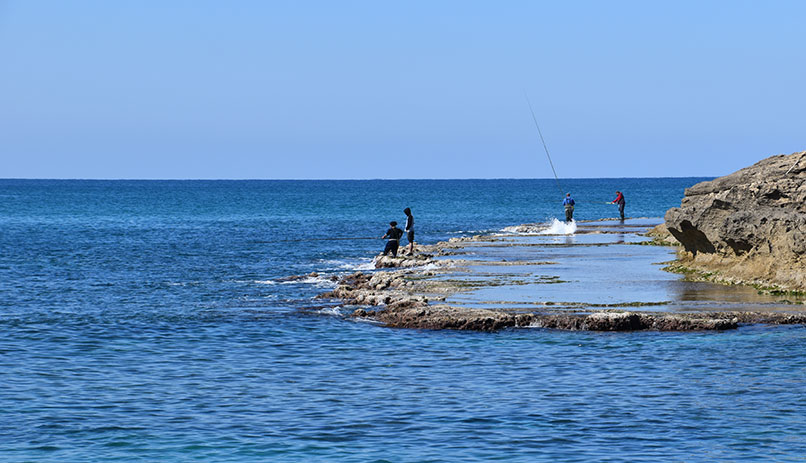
{"x": 266, "y": 282}
{"x": 319, "y": 281}
{"x": 559, "y": 228}
{"x": 349, "y": 265}
{"x": 555, "y": 227}
{"x": 331, "y": 311}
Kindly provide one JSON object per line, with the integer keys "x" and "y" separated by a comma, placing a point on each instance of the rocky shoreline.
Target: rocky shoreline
{"x": 410, "y": 292}
{"x": 397, "y": 306}
{"x": 747, "y": 228}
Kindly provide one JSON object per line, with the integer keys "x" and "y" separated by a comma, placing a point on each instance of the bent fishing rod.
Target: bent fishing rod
{"x": 540, "y": 132}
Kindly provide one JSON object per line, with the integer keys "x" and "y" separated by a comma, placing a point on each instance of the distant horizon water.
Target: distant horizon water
{"x": 345, "y": 179}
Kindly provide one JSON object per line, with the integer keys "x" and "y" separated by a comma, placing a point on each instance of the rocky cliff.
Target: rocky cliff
{"x": 749, "y": 226}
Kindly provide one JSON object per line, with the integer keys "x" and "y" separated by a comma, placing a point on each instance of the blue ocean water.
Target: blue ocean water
{"x": 149, "y": 321}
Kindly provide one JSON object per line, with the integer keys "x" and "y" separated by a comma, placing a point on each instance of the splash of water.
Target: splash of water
{"x": 559, "y": 228}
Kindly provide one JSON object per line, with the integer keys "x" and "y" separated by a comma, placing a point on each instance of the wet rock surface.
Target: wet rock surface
{"x": 749, "y": 226}
{"x": 420, "y": 315}
{"x": 490, "y": 283}
{"x": 394, "y": 300}
{"x": 403, "y": 260}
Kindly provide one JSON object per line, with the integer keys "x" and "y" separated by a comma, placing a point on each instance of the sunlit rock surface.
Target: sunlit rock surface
{"x": 749, "y": 226}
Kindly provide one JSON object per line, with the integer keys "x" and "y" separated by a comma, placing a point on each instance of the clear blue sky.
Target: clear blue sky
{"x": 409, "y": 89}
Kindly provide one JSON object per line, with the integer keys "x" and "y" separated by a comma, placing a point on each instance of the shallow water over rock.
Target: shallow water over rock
{"x": 600, "y": 265}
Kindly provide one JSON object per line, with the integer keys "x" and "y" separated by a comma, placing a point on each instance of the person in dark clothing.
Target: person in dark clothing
{"x": 568, "y": 203}
{"x": 394, "y": 235}
{"x": 409, "y": 229}
{"x": 620, "y": 201}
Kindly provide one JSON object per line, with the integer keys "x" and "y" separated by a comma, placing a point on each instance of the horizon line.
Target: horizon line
{"x": 102, "y": 179}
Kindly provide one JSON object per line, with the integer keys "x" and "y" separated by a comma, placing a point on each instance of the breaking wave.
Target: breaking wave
{"x": 559, "y": 228}
{"x": 349, "y": 265}
{"x": 318, "y": 281}
{"x": 331, "y": 311}
{"x": 555, "y": 227}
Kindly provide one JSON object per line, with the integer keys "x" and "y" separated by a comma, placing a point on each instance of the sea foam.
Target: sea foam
{"x": 331, "y": 311}
{"x": 559, "y": 228}
{"x": 555, "y": 227}
{"x": 318, "y": 281}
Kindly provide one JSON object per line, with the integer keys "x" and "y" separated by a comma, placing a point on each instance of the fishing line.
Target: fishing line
{"x": 540, "y": 132}
{"x": 315, "y": 239}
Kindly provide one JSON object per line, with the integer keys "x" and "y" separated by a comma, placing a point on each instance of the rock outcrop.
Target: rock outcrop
{"x": 749, "y": 226}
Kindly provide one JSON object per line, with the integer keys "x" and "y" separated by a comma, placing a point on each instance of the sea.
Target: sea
{"x": 156, "y": 321}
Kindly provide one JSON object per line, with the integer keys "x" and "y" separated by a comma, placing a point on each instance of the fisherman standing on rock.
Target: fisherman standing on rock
{"x": 568, "y": 203}
{"x": 620, "y": 201}
{"x": 409, "y": 229}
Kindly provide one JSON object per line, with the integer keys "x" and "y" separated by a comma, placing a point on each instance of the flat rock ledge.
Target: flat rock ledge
{"x": 409, "y": 291}
{"x": 447, "y": 317}
{"x": 402, "y": 303}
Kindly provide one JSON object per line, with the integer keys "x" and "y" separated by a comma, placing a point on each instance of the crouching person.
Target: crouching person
{"x": 394, "y": 235}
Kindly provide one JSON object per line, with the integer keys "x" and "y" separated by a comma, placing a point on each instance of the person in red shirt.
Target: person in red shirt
{"x": 620, "y": 201}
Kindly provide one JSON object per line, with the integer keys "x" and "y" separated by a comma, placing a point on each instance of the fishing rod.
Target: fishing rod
{"x": 317, "y": 239}
{"x": 540, "y": 132}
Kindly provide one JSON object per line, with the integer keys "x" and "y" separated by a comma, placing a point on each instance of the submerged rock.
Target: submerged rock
{"x": 749, "y": 226}
{"x": 299, "y": 277}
